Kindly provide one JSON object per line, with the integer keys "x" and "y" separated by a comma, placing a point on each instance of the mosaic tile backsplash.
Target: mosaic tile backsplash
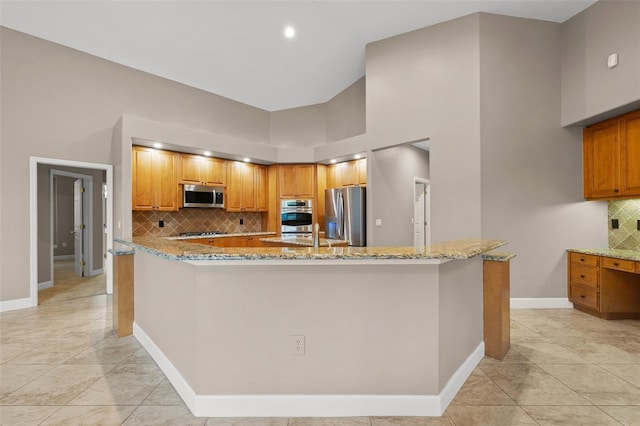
{"x": 194, "y": 220}
{"x": 627, "y": 236}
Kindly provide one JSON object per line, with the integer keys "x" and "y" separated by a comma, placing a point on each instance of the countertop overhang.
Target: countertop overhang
{"x": 613, "y": 253}
{"x": 173, "y": 249}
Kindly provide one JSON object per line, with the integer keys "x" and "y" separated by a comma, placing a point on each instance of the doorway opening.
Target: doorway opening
{"x": 87, "y": 263}
{"x": 421, "y": 212}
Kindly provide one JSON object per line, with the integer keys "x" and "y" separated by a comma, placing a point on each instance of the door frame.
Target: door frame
{"x": 427, "y": 207}
{"x": 33, "y": 218}
{"x": 87, "y": 217}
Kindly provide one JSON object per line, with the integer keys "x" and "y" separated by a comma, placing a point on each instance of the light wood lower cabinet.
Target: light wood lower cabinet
{"x": 241, "y": 241}
{"x": 603, "y": 286}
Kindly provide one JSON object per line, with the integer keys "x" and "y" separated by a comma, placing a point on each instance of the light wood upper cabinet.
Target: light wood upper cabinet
{"x": 154, "y": 180}
{"x": 611, "y": 155}
{"x": 198, "y": 170}
{"x": 247, "y": 187}
{"x": 349, "y": 173}
{"x": 630, "y": 153}
{"x": 296, "y": 180}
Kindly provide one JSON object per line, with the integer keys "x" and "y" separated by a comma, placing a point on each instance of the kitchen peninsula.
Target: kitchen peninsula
{"x": 386, "y": 330}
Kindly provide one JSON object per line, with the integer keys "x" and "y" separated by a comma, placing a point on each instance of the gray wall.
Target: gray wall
{"x": 591, "y": 91}
{"x": 60, "y": 103}
{"x": 426, "y": 84}
{"x": 63, "y": 216}
{"x": 346, "y": 112}
{"x": 44, "y": 222}
{"x": 392, "y": 174}
{"x": 531, "y": 167}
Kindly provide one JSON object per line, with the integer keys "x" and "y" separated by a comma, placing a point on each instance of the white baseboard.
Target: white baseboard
{"x": 64, "y": 257}
{"x": 12, "y": 305}
{"x": 309, "y": 405}
{"x": 44, "y": 285}
{"x": 541, "y": 303}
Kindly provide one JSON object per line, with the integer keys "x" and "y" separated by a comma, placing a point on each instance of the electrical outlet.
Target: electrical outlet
{"x": 298, "y": 345}
{"x": 64, "y": 244}
{"x": 161, "y": 223}
{"x": 614, "y": 224}
{"x": 638, "y": 224}
{"x": 241, "y": 221}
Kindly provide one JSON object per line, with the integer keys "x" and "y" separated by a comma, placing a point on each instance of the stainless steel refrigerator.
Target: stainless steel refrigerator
{"x": 345, "y": 215}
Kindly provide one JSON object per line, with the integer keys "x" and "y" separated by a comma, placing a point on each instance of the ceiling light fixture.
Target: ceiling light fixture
{"x": 333, "y": 161}
{"x": 357, "y": 156}
{"x": 207, "y": 153}
{"x": 246, "y": 159}
{"x": 289, "y": 32}
{"x": 157, "y": 145}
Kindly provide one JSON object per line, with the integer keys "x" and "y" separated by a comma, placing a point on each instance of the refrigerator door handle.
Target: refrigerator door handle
{"x": 340, "y": 214}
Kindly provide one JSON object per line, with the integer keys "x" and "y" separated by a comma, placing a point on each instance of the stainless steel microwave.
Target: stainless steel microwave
{"x": 203, "y": 196}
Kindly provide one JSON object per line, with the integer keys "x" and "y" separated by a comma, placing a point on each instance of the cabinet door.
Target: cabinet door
{"x": 234, "y": 194}
{"x": 601, "y": 155}
{"x": 362, "y": 171}
{"x": 349, "y": 173}
{"x": 249, "y": 188}
{"x": 334, "y": 179}
{"x": 305, "y": 180}
{"x": 287, "y": 181}
{"x": 262, "y": 189}
{"x": 190, "y": 169}
{"x": 164, "y": 180}
{"x": 214, "y": 171}
{"x": 141, "y": 177}
{"x": 630, "y": 153}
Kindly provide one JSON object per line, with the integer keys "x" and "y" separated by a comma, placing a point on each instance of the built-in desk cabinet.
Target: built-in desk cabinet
{"x": 611, "y": 156}
{"x": 603, "y": 286}
{"x": 154, "y": 183}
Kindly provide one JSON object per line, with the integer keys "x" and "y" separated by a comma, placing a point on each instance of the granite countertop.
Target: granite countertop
{"x": 498, "y": 256}
{"x": 236, "y": 234}
{"x": 180, "y": 250}
{"x": 614, "y": 253}
{"x": 305, "y": 242}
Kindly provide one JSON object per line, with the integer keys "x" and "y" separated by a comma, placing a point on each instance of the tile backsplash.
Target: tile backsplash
{"x": 194, "y": 220}
{"x": 627, "y": 236}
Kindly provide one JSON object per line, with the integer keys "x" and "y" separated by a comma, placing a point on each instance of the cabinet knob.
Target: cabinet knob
{"x": 581, "y": 276}
{"x": 616, "y": 190}
{"x": 616, "y": 264}
{"x": 582, "y": 296}
{"x": 582, "y": 259}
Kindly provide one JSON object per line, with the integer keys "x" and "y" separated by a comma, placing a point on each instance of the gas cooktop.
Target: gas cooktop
{"x": 201, "y": 234}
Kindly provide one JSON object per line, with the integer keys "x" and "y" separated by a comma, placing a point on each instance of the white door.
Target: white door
{"x": 78, "y": 228}
{"x": 421, "y": 223}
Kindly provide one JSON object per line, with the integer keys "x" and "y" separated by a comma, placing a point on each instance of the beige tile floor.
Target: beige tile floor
{"x": 60, "y": 364}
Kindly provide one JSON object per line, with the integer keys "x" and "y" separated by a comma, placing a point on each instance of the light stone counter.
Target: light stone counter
{"x": 304, "y": 242}
{"x": 614, "y": 253}
{"x": 391, "y": 331}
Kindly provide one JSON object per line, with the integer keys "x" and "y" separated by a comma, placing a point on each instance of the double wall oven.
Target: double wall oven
{"x": 296, "y": 218}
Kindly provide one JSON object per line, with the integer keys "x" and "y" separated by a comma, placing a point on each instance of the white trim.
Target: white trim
{"x": 95, "y": 272}
{"x": 309, "y": 405}
{"x": 45, "y": 285}
{"x": 64, "y": 257}
{"x": 179, "y": 383}
{"x": 540, "y": 303}
{"x": 33, "y": 219}
{"x": 12, "y": 305}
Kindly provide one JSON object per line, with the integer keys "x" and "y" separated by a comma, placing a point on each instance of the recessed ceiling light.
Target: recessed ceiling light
{"x": 157, "y": 145}
{"x": 334, "y": 161}
{"x": 358, "y": 156}
{"x": 207, "y": 153}
{"x": 289, "y": 32}
{"x": 246, "y": 159}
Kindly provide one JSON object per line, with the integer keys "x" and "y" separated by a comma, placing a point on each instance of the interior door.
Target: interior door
{"x": 419, "y": 215}
{"x": 78, "y": 228}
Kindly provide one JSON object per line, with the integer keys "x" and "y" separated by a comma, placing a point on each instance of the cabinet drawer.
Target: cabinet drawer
{"x": 585, "y": 275}
{"x": 585, "y": 296}
{"x": 619, "y": 264}
{"x": 584, "y": 259}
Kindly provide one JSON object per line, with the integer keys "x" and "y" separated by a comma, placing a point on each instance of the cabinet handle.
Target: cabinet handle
{"x": 616, "y": 264}
{"x": 616, "y": 190}
{"x": 582, "y": 259}
{"x": 582, "y": 296}
{"x": 581, "y": 276}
